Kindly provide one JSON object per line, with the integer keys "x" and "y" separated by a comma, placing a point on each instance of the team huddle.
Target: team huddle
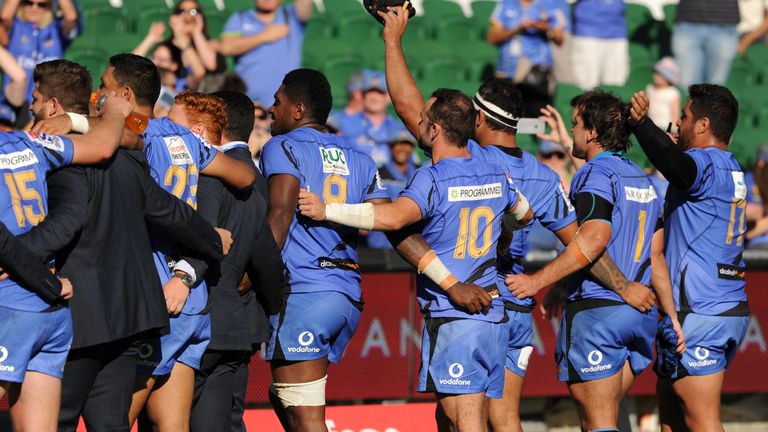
{"x": 159, "y": 330}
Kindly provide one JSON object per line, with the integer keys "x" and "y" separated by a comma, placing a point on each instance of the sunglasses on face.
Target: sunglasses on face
{"x": 555, "y": 154}
{"x": 190, "y": 12}
{"x": 41, "y": 5}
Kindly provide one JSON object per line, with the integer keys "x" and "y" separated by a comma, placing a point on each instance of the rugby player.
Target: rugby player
{"x": 176, "y": 157}
{"x": 32, "y": 360}
{"x": 604, "y": 342}
{"x": 704, "y": 224}
{"x": 111, "y": 312}
{"x": 499, "y": 105}
{"x": 461, "y": 201}
{"x": 323, "y": 307}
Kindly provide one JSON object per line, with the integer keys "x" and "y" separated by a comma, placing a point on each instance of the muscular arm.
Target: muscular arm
{"x": 283, "y": 196}
{"x": 660, "y": 281}
{"x": 16, "y": 89}
{"x": 406, "y": 97}
{"x": 100, "y": 142}
{"x": 238, "y": 174}
{"x": 67, "y": 213}
{"x": 24, "y": 267}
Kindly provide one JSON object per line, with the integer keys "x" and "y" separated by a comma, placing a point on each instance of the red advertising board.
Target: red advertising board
{"x": 382, "y": 361}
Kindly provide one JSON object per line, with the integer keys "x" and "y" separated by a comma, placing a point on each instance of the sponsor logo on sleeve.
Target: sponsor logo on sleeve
{"x": 474, "y": 193}
{"x": 456, "y": 371}
{"x": 178, "y": 150}
{"x": 334, "y": 161}
{"x": 11, "y": 161}
{"x": 639, "y": 194}
{"x": 52, "y": 142}
{"x": 730, "y": 272}
{"x": 739, "y": 185}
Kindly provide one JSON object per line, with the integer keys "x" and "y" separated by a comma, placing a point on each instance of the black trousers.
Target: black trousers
{"x": 240, "y": 384}
{"x": 98, "y": 384}
{"x": 214, "y": 399}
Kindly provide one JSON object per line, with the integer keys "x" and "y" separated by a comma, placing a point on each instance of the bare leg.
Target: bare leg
{"x": 671, "y": 414}
{"x": 35, "y": 402}
{"x": 504, "y": 414}
{"x": 462, "y": 413}
{"x": 598, "y": 401}
{"x": 700, "y": 396}
{"x": 170, "y": 403}
{"x": 300, "y": 418}
{"x": 144, "y": 385}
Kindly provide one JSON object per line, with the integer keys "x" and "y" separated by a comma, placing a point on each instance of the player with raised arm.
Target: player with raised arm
{"x": 499, "y": 106}
{"x": 323, "y": 306}
{"x": 704, "y": 224}
{"x": 460, "y": 202}
{"x": 35, "y": 333}
{"x": 603, "y": 342}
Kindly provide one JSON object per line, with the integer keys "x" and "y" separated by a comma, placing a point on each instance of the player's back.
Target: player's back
{"x": 320, "y": 256}
{"x": 636, "y": 211}
{"x": 704, "y": 230}
{"x": 463, "y": 201}
{"x": 25, "y": 159}
{"x": 544, "y": 191}
{"x": 176, "y": 156}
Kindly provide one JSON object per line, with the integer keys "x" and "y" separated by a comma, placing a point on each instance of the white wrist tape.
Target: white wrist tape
{"x": 352, "y": 215}
{"x": 300, "y": 394}
{"x": 431, "y": 267}
{"x": 79, "y": 122}
{"x": 512, "y": 219}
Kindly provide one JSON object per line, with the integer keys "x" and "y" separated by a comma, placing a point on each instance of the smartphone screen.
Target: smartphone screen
{"x": 530, "y": 126}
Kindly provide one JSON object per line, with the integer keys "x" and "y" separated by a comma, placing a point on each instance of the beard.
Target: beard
{"x": 425, "y": 148}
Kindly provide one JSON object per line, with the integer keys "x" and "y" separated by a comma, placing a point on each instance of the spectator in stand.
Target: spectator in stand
{"x": 173, "y": 77}
{"x": 395, "y": 175}
{"x": 189, "y": 41}
{"x": 260, "y": 134}
{"x": 663, "y": 94}
{"x": 354, "y": 100}
{"x": 753, "y": 25}
{"x": 704, "y": 40}
{"x": 35, "y": 35}
{"x": 14, "y": 91}
{"x": 372, "y": 129}
{"x": 757, "y": 193}
{"x": 266, "y": 42}
{"x": 561, "y": 52}
{"x": 600, "y": 51}
{"x": 522, "y": 30}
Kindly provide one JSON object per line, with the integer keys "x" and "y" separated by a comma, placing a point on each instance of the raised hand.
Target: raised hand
{"x": 640, "y": 105}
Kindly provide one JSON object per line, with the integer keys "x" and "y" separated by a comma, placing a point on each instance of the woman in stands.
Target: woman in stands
{"x": 189, "y": 35}
{"x": 36, "y": 33}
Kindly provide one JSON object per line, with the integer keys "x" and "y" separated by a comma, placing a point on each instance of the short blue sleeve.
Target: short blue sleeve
{"x": 705, "y": 172}
{"x": 57, "y": 150}
{"x": 376, "y": 188}
{"x": 421, "y": 190}
{"x": 497, "y": 13}
{"x": 554, "y": 210}
{"x": 595, "y": 179}
{"x": 280, "y": 157}
{"x": 234, "y": 26}
{"x": 207, "y": 152}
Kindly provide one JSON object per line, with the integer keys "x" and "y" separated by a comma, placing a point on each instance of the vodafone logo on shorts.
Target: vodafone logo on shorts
{"x": 305, "y": 339}
{"x": 3, "y": 357}
{"x": 702, "y": 355}
{"x": 595, "y": 358}
{"x": 456, "y": 371}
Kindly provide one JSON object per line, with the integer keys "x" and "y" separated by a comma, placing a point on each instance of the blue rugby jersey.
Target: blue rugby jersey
{"x": 462, "y": 202}
{"x": 176, "y": 156}
{"x": 704, "y": 233}
{"x": 320, "y": 256}
{"x": 544, "y": 191}
{"x": 25, "y": 160}
{"x": 636, "y": 212}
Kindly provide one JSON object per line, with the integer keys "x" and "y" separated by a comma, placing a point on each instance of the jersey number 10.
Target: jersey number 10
{"x": 469, "y": 224}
